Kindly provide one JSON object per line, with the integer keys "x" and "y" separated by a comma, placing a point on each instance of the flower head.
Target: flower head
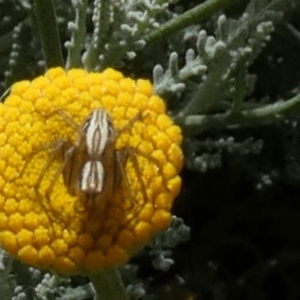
{"x": 54, "y": 229}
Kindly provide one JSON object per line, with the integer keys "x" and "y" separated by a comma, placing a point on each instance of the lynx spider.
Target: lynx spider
{"x": 90, "y": 164}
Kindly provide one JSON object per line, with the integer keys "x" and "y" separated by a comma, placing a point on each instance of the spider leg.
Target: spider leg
{"x": 128, "y": 151}
{"x": 155, "y": 161}
{"x": 69, "y": 121}
{"x": 57, "y": 146}
{"x": 67, "y": 156}
{"x": 65, "y": 116}
{"x": 47, "y": 205}
{"x": 130, "y": 123}
{"x": 122, "y": 157}
{"x": 45, "y": 147}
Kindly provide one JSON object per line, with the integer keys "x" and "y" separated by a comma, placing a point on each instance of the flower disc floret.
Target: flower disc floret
{"x": 59, "y": 231}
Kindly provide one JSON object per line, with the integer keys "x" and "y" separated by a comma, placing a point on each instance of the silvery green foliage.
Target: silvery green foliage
{"x": 15, "y": 51}
{"x": 27, "y": 283}
{"x": 204, "y": 155}
{"x": 18, "y": 43}
{"x": 119, "y": 28}
{"x": 172, "y": 80}
{"x": 215, "y": 77}
{"x": 162, "y": 259}
{"x": 159, "y": 250}
{"x": 135, "y": 287}
{"x": 219, "y": 62}
{"x": 7, "y": 283}
{"x": 12, "y": 13}
{"x": 175, "y": 234}
{"x": 54, "y": 287}
{"x": 161, "y": 245}
{"x": 26, "y": 279}
{"x": 296, "y": 34}
{"x": 137, "y": 291}
{"x": 265, "y": 180}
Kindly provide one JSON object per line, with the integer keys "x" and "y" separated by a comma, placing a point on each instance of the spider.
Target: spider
{"x": 91, "y": 166}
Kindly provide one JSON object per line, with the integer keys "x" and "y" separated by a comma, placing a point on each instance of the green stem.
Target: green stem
{"x": 239, "y": 93}
{"x": 109, "y": 286}
{"x": 193, "y": 16}
{"x": 100, "y": 36}
{"x": 76, "y": 44}
{"x": 200, "y": 102}
{"x": 195, "y": 124}
{"x": 47, "y": 25}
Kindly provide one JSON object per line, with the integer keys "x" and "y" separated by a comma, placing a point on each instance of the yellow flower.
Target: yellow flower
{"x": 60, "y": 231}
